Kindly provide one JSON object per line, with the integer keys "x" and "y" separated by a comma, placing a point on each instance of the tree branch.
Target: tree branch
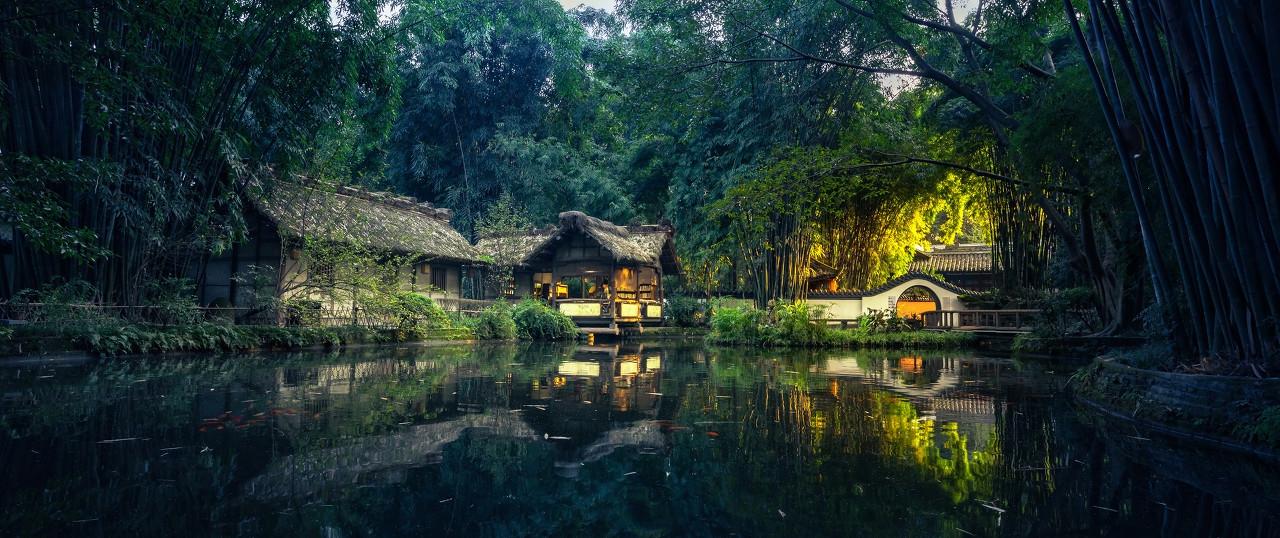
{"x": 909, "y": 159}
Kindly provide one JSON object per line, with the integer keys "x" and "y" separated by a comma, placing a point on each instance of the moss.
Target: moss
{"x": 1224, "y": 408}
{"x": 1264, "y": 429}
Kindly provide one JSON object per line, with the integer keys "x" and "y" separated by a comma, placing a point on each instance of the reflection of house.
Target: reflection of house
{"x": 595, "y": 271}
{"x": 967, "y": 265}
{"x": 945, "y": 390}
{"x": 279, "y": 219}
{"x": 623, "y": 377}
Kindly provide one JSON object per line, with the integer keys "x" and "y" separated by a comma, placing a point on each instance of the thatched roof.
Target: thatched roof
{"x": 646, "y": 244}
{"x": 372, "y": 219}
{"x": 965, "y": 258}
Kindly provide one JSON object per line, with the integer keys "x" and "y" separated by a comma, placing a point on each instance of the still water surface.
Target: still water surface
{"x": 637, "y": 439}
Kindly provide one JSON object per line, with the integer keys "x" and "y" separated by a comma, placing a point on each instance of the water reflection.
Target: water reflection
{"x": 641, "y": 438}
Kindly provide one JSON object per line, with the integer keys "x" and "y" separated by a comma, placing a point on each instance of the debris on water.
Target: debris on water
{"x": 629, "y": 474}
{"x": 206, "y": 449}
{"x": 965, "y": 531}
{"x": 450, "y": 499}
{"x": 1105, "y": 508}
{"x": 713, "y": 434}
{"x": 120, "y": 440}
{"x": 85, "y": 520}
{"x": 43, "y": 377}
{"x": 385, "y": 398}
{"x": 701, "y": 422}
{"x": 1138, "y": 437}
{"x": 790, "y": 371}
{"x": 403, "y": 423}
{"x": 993, "y": 507}
{"x": 559, "y": 438}
{"x": 781, "y": 513}
{"x": 172, "y": 448}
{"x": 718, "y": 396}
{"x": 654, "y": 393}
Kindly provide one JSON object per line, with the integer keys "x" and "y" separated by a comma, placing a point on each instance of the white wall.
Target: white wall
{"x": 850, "y": 308}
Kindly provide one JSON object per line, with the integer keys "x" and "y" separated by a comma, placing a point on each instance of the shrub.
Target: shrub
{"x": 800, "y": 325}
{"x": 174, "y": 300}
{"x": 1068, "y": 311}
{"x": 303, "y": 312}
{"x": 60, "y": 302}
{"x": 686, "y": 311}
{"x": 414, "y": 310}
{"x": 737, "y": 325}
{"x": 884, "y": 321}
{"x": 536, "y": 321}
{"x": 1265, "y": 429}
{"x": 494, "y": 323}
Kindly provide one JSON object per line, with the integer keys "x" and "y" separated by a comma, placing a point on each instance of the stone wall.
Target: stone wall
{"x": 1226, "y": 408}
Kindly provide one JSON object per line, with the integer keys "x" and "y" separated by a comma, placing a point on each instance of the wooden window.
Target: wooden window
{"x": 541, "y": 285}
{"x": 580, "y": 287}
{"x": 439, "y": 277}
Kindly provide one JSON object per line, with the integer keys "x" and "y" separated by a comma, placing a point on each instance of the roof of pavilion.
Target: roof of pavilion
{"x": 644, "y": 244}
{"x": 962, "y": 258}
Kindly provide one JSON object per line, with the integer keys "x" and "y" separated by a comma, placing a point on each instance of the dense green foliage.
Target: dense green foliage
{"x": 536, "y": 321}
{"x": 121, "y": 338}
{"x": 802, "y": 325}
{"x": 776, "y": 135}
{"x": 685, "y": 311}
{"x": 493, "y": 323}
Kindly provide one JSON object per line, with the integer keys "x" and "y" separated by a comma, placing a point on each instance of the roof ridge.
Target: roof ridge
{"x": 905, "y": 277}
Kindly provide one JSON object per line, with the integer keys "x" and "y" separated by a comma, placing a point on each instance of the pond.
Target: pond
{"x": 640, "y": 438}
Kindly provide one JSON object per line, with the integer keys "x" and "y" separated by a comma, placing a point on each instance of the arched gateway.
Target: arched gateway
{"x": 850, "y": 305}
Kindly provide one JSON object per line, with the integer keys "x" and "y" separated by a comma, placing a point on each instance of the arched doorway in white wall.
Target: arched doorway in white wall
{"x": 913, "y": 302}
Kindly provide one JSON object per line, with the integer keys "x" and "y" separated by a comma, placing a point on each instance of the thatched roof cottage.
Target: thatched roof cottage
{"x": 599, "y": 273}
{"x": 278, "y": 218}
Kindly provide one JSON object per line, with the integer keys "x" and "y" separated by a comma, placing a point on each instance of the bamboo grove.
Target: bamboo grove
{"x": 1189, "y": 95}
{"x": 131, "y": 130}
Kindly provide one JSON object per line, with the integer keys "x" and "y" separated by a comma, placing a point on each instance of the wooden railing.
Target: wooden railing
{"x": 981, "y": 320}
{"x": 465, "y": 306}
